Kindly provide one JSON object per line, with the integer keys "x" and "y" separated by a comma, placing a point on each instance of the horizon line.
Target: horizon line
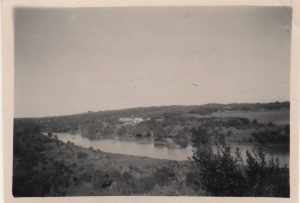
{"x": 120, "y": 109}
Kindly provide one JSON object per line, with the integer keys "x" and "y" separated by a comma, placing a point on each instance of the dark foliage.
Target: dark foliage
{"x": 203, "y": 111}
{"x": 218, "y": 174}
{"x": 208, "y": 109}
{"x": 163, "y": 176}
{"x": 82, "y": 155}
{"x": 279, "y": 135}
{"x": 221, "y": 174}
{"x": 32, "y": 174}
{"x": 200, "y": 135}
{"x": 266, "y": 178}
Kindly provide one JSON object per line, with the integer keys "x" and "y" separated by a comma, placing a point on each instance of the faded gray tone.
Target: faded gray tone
{"x": 74, "y": 60}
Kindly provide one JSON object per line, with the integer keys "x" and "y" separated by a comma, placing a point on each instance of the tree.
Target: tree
{"x": 200, "y": 135}
{"x": 218, "y": 173}
{"x": 221, "y": 174}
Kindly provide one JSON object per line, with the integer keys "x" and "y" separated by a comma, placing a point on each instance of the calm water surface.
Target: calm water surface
{"x": 147, "y": 148}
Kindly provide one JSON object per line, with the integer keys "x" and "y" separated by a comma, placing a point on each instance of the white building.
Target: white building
{"x": 126, "y": 120}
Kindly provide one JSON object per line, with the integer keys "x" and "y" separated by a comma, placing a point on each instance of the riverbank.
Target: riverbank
{"x": 124, "y": 174}
{"x": 79, "y": 171}
{"x": 167, "y": 150}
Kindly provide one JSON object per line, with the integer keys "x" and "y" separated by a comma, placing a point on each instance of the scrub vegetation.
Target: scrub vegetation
{"x": 45, "y": 166}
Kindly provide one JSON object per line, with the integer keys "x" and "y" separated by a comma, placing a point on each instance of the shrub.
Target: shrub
{"x": 254, "y": 122}
{"x": 266, "y": 179}
{"x": 272, "y": 136}
{"x": 82, "y": 155}
{"x": 85, "y": 177}
{"x": 238, "y": 123}
{"x": 221, "y": 174}
{"x": 163, "y": 176}
{"x": 229, "y": 133}
{"x": 200, "y": 135}
{"x": 203, "y": 110}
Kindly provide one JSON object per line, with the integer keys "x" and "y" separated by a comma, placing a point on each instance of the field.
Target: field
{"x": 277, "y": 117}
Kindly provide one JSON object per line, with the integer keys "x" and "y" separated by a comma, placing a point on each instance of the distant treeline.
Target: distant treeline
{"x": 182, "y": 129}
{"x": 72, "y": 122}
{"x": 208, "y": 109}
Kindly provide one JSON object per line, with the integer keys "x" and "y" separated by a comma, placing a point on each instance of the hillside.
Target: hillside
{"x": 230, "y": 122}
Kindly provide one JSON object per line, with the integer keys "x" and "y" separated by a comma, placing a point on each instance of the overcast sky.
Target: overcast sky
{"x": 76, "y": 60}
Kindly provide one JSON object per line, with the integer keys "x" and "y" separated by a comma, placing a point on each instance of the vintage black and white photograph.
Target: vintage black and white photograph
{"x": 152, "y": 101}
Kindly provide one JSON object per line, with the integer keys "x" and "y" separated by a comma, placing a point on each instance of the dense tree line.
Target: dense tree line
{"x": 208, "y": 109}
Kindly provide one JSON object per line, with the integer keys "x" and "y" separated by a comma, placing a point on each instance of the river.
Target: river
{"x": 147, "y": 148}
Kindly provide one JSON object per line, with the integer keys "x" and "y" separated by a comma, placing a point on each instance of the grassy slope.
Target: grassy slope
{"x": 130, "y": 175}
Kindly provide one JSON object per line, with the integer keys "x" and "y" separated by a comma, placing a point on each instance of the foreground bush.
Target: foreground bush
{"x": 33, "y": 173}
{"x": 221, "y": 174}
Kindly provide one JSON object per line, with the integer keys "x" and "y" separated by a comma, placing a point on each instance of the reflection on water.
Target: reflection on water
{"x": 147, "y": 148}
